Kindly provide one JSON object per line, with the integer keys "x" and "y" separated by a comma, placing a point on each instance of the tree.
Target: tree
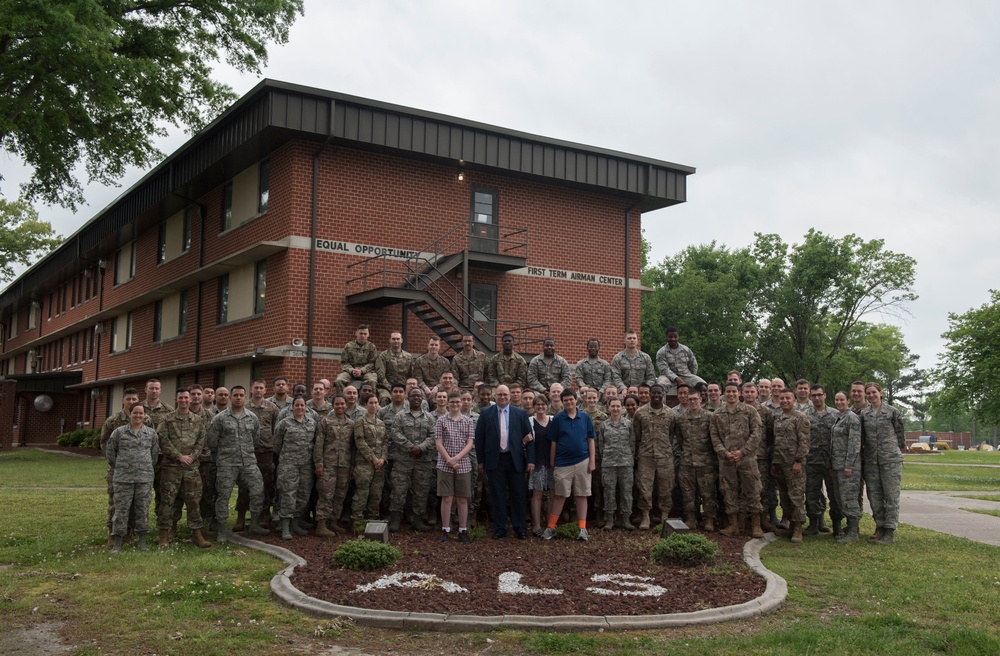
{"x": 827, "y": 287}
{"x": 970, "y": 365}
{"x": 23, "y": 237}
{"x": 92, "y": 82}
{"x": 871, "y": 351}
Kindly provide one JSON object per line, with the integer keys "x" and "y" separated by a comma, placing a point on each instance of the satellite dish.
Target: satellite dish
{"x": 43, "y": 403}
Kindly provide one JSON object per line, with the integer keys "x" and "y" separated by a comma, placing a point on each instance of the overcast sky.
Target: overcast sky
{"x": 879, "y": 119}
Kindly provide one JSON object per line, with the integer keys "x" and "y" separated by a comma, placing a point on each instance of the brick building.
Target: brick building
{"x": 259, "y": 245}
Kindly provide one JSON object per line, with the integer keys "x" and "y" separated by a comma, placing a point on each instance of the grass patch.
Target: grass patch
{"x": 995, "y": 513}
{"x": 32, "y": 468}
{"x": 957, "y": 457}
{"x": 981, "y": 497}
{"x": 843, "y": 599}
{"x": 923, "y": 477}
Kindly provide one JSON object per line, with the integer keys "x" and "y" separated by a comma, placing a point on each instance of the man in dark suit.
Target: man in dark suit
{"x": 504, "y": 448}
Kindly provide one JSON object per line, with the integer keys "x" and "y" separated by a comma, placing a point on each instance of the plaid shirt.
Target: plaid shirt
{"x": 455, "y": 434}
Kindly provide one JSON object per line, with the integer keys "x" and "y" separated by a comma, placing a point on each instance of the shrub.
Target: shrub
{"x": 366, "y": 555}
{"x": 569, "y": 530}
{"x": 684, "y": 549}
{"x": 80, "y": 437}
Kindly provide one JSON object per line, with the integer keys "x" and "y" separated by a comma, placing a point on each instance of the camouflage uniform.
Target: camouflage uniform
{"x": 357, "y": 356}
{"x": 116, "y": 420}
{"x": 882, "y": 443}
{"x": 654, "y": 436}
{"x": 597, "y": 416}
{"x": 180, "y": 435}
{"x": 356, "y": 413}
{"x": 293, "y": 442}
{"x": 233, "y": 439}
{"x": 132, "y": 454}
{"x": 156, "y": 414}
{"x": 310, "y": 412}
{"x": 677, "y": 362}
{"x": 791, "y": 445}
{"x": 768, "y": 493}
{"x": 818, "y": 469}
{"x": 804, "y": 408}
{"x": 616, "y": 449}
{"x": 469, "y": 368}
{"x": 595, "y": 374}
{"x": 428, "y": 372}
{"x": 410, "y": 430}
{"x": 542, "y": 372}
{"x": 628, "y": 370}
{"x": 845, "y": 447}
{"x": 207, "y": 469}
{"x": 267, "y": 413}
{"x": 699, "y": 465}
{"x": 732, "y": 430}
{"x": 371, "y": 444}
{"x": 287, "y": 403}
{"x": 391, "y": 367}
{"x": 503, "y": 370}
{"x": 334, "y": 452}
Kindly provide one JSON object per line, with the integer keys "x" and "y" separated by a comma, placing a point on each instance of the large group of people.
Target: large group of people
{"x": 426, "y": 439}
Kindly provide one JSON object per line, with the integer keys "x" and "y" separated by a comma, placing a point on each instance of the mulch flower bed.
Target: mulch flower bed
{"x": 544, "y": 566}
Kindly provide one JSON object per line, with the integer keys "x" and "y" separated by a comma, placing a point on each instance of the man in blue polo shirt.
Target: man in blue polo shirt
{"x": 573, "y": 458}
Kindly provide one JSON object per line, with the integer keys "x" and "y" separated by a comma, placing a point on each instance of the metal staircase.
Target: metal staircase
{"x": 422, "y": 284}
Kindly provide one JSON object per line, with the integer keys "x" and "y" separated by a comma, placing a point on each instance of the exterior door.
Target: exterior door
{"x": 484, "y": 235}
{"x": 483, "y": 313}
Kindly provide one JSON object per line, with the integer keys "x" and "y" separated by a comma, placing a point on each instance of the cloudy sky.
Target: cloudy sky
{"x": 879, "y": 119}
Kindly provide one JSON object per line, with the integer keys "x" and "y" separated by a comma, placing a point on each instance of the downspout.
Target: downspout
{"x": 310, "y": 313}
{"x": 203, "y": 215}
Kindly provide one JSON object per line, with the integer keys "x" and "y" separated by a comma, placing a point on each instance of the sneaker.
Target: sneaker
{"x": 583, "y": 537}
{"x": 445, "y": 536}
{"x": 548, "y": 534}
{"x": 463, "y": 537}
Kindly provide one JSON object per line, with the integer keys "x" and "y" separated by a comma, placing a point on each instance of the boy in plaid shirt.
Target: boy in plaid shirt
{"x": 454, "y": 436}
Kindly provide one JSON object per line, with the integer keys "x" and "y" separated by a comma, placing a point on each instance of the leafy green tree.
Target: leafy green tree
{"x": 970, "y": 365}
{"x": 92, "y": 82}
{"x": 23, "y": 237}
{"x": 828, "y": 286}
{"x": 870, "y": 352}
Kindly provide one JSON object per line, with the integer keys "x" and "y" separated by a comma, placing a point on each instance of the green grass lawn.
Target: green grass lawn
{"x": 984, "y": 497}
{"x": 982, "y": 511}
{"x": 957, "y": 457}
{"x": 853, "y": 599}
{"x": 923, "y": 477}
{"x": 32, "y": 468}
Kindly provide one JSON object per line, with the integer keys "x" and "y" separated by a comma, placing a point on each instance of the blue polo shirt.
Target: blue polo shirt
{"x": 570, "y": 437}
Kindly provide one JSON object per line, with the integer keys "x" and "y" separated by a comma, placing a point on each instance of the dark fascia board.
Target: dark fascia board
{"x": 252, "y": 124}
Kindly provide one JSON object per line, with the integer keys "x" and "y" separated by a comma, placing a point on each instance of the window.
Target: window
{"x": 263, "y": 186}
{"x": 170, "y": 317}
{"x": 246, "y": 195}
{"x": 33, "y": 310}
{"x": 224, "y": 299}
{"x": 259, "y": 287}
{"x": 175, "y": 236}
{"x": 161, "y": 249}
{"x": 125, "y": 264}
{"x": 121, "y": 333}
{"x": 13, "y": 325}
{"x": 186, "y": 231}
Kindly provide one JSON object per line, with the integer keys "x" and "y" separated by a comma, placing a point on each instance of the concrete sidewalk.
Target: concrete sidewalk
{"x": 940, "y": 511}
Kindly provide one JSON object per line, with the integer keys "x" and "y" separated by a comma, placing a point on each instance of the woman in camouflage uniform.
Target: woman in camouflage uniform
{"x": 369, "y": 470}
{"x": 882, "y": 444}
{"x": 293, "y": 442}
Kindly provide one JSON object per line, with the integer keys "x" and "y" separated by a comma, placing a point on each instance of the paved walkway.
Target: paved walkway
{"x": 940, "y": 511}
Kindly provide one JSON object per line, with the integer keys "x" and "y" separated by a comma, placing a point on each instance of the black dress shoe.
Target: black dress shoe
{"x": 522, "y": 535}
{"x": 499, "y": 536}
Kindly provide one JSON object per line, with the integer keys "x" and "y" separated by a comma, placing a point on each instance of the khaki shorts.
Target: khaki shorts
{"x": 573, "y": 481}
{"x": 451, "y": 484}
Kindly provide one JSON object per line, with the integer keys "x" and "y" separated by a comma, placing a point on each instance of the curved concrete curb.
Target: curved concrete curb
{"x": 281, "y": 586}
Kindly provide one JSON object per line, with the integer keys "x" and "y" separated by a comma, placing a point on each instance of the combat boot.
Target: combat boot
{"x": 851, "y": 534}
{"x": 297, "y": 528}
{"x": 116, "y": 544}
{"x": 741, "y": 523}
{"x": 255, "y": 527}
{"x": 142, "y": 540}
{"x": 241, "y": 519}
{"x": 395, "y": 517}
{"x": 765, "y": 523}
{"x": 691, "y": 521}
{"x": 733, "y": 525}
{"x": 417, "y": 523}
{"x": 796, "y": 532}
{"x": 887, "y": 536}
{"x": 644, "y": 524}
{"x": 838, "y": 528}
{"x": 823, "y": 528}
{"x": 322, "y": 531}
{"x": 813, "y": 528}
{"x": 709, "y": 524}
{"x": 283, "y": 524}
{"x": 173, "y": 531}
{"x": 198, "y": 540}
{"x": 335, "y": 526}
{"x": 626, "y": 523}
{"x": 755, "y": 525}
{"x": 304, "y": 522}
{"x": 164, "y": 538}
{"x": 876, "y": 536}
{"x": 222, "y": 534}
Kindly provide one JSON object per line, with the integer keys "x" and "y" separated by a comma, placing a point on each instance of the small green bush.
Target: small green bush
{"x": 684, "y": 549}
{"x": 80, "y": 437}
{"x": 366, "y": 555}
{"x": 569, "y": 531}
